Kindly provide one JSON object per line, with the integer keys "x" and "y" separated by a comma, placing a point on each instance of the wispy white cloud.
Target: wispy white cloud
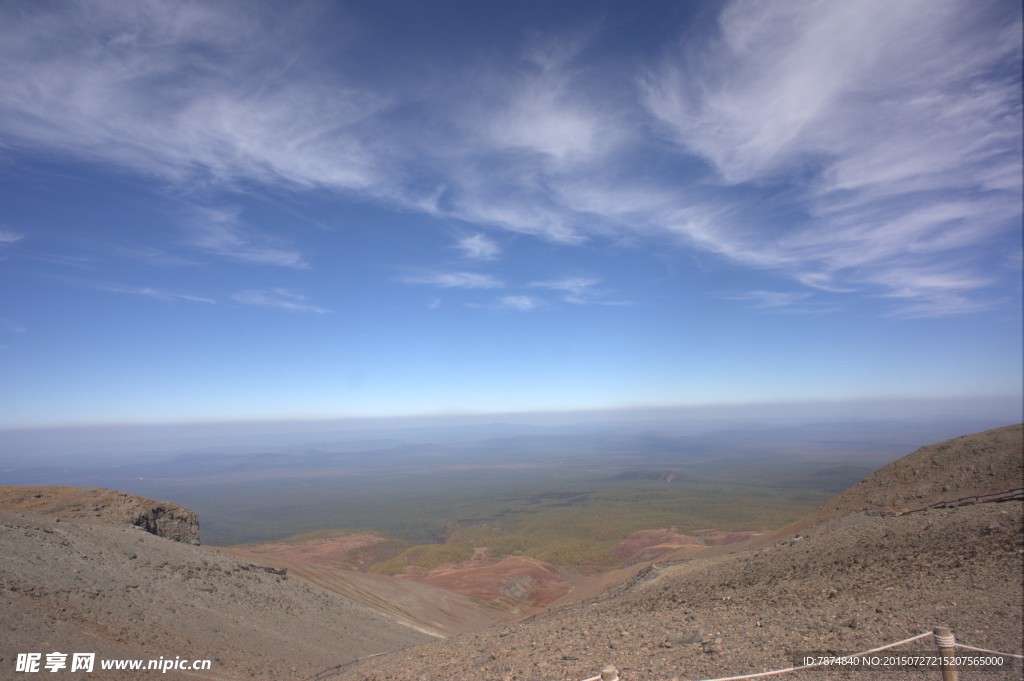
{"x": 544, "y": 110}
{"x": 514, "y": 303}
{"x": 220, "y": 231}
{"x": 903, "y": 121}
{"x": 771, "y": 299}
{"x": 830, "y": 142}
{"x": 11, "y": 326}
{"x": 278, "y": 298}
{"x": 75, "y": 260}
{"x": 177, "y": 91}
{"x": 937, "y": 291}
{"x": 574, "y": 290}
{"x": 1014, "y": 258}
{"x": 786, "y": 82}
{"x": 9, "y": 237}
{"x": 151, "y": 256}
{"x": 930, "y": 306}
{"x": 469, "y": 280}
{"x": 578, "y": 290}
{"x": 155, "y": 293}
{"x": 520, "y": 303}
{"x": 909, "y": 283}
{"x": 478, "y": 247}
{"x": 788, "y": 302}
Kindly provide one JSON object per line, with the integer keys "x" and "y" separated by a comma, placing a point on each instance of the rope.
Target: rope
{"x": 945, "y": 641}
{"x": 985, "y": 650}
{"x": 334, "y": 671}
{"x": 811, "y": 666}
{"x": 995, "y": 497}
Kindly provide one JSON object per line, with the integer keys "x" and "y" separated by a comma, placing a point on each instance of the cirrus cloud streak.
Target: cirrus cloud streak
{"x": 864, "y": 148}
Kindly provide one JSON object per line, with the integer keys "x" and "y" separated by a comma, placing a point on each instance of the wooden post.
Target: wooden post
{"x": 944, "y": 640}
{"x": 609, "y": 673}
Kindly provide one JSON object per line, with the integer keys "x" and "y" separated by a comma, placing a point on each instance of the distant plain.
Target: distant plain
{"x": 565, "y": 495}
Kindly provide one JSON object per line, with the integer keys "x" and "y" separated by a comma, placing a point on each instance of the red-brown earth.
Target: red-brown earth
{"x": 514, "y": 585}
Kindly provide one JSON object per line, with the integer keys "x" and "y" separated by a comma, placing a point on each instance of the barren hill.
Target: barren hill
{"x": 849, "y": 581}
{"x": 74, "y": 582}
{"x": 971, "y": 465}
{"x": 326, "y": 559}
{"x": 161, "y": 518}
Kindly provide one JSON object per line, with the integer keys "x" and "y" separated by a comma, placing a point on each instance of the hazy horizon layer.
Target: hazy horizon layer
{"x": 106, "y": 442}
{"x": 416, "y": 479}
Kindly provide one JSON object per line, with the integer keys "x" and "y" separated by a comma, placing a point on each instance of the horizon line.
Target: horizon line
{"x": 975, "y": 402}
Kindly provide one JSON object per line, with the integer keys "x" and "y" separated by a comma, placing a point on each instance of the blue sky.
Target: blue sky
{"x": 244, "y": 210}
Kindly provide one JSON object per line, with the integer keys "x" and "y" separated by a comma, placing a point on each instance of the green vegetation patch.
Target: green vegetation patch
{"x": 426, "y": 556}
{"x": 572, "y": 516}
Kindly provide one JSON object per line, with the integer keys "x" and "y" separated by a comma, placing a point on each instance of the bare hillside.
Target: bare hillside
{"x": 849, "y": 581}
{"x": 83, "y": 584}
{"x": 979, "y": 464}
{"x": 423, "y": 607}
{"x": 161, "y": 518}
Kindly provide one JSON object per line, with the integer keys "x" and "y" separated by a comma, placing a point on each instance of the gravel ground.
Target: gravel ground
{"x": 849, "y": 585}
{"x": 84, "y": 585}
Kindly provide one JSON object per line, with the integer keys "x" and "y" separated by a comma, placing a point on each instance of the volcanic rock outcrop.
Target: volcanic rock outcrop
{"x": 161, "y": 518}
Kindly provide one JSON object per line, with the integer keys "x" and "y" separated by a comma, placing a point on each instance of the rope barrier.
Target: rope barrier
{"x": 331, "y": 672}
{"x": 811, "y": 666}
{"x": 1015, "y": 494}
{"x": 806, "y": 666}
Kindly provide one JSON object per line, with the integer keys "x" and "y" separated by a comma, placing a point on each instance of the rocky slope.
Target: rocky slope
{"x": 971, "y": 465}
{"x": 852, "y": 579}
{"x": 161, "y": 518}
{"x": 83, "y": 584}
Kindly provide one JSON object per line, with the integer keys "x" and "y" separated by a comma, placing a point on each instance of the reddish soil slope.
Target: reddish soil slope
{"x": 516, "y": 583}
{"x": 647, "y": 545}
{"x": 328, "y": 562}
